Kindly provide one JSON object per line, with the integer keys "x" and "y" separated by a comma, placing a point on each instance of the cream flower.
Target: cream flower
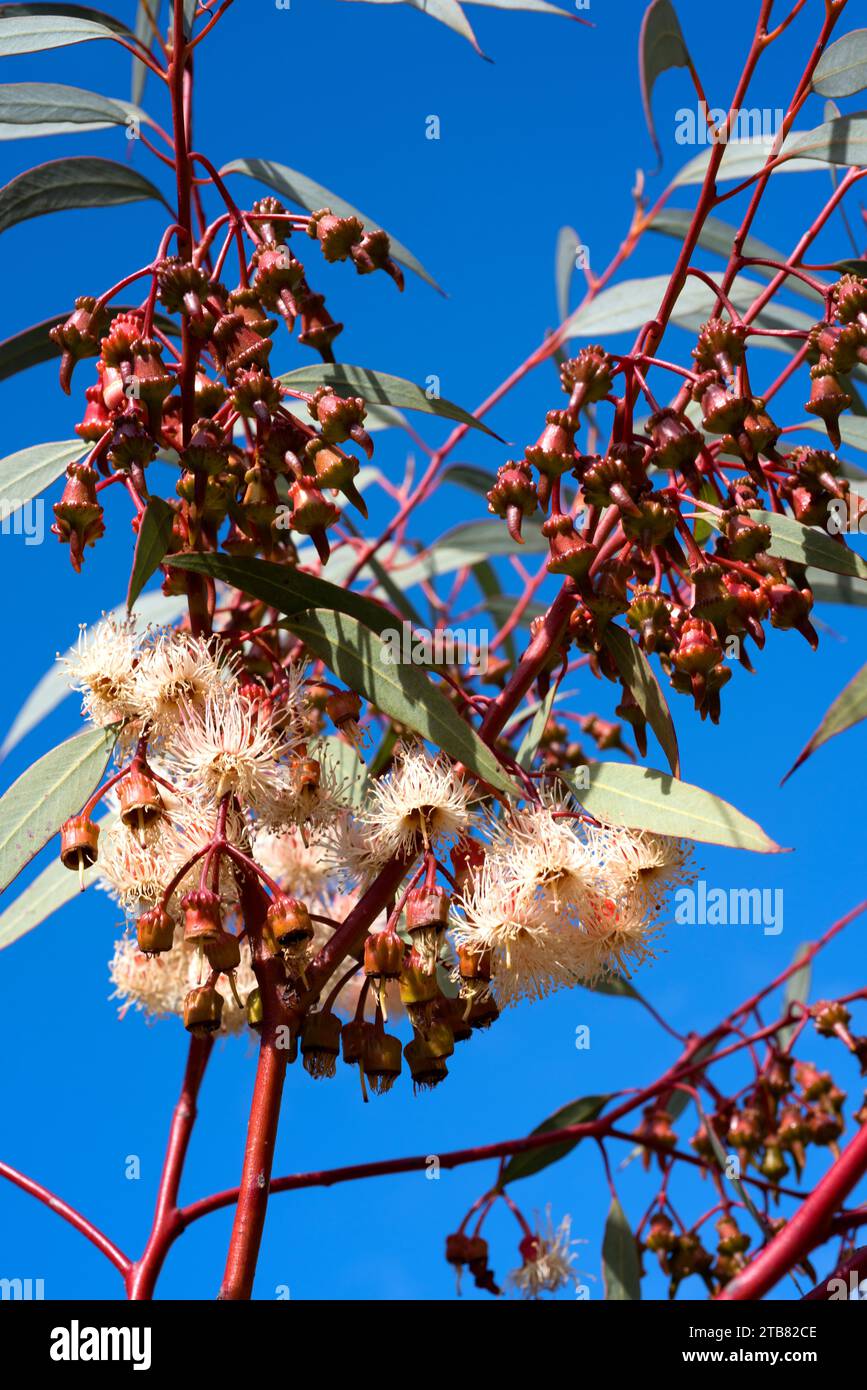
{"x": 655, "y": 865}
{"x": 619, "y": 935}
{"x": 420, "y": 803}
{"x": 232, "y": 745}
{"x": 534, "y": 948}
{"x": 548, "y": 1260}
{"x": 176, "y": 670}
{"x": 539, "y": 845}
{"x": 299, "y": 863}
{"x": 102, "y": 667}
{"x": 135, "y": 868}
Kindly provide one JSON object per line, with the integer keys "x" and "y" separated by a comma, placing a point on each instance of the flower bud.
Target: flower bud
{"x": 202, "y": 918}
{"x": 155, "y": 931}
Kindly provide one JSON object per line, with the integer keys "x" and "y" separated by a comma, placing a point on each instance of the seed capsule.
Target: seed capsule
{"x": 203, "y": 1011}
{"x": 320, "y": 1044}
{"x": 202, "y": 919}
{"x": 78, "y": 838}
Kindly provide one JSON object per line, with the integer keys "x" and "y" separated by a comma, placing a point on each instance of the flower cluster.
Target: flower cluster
{"x": 716, "y": 453}
{"x": 245, "y": 456}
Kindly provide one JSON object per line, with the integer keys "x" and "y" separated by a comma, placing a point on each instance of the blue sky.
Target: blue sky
{"x": 549, "y": 133}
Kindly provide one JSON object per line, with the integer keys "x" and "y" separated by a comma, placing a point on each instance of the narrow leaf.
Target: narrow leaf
{"x": 621, "y": 1266}
{"x": 303, "y": 192}
{"x": 358, "y": 656}
{"x": 152, "y": 542}
{"x": 34, "y": 28}
{"x": 806, "y": 546}
{"x": 25, "y": 474}
{"x": 842, "y": 68}
{"x": 637, "y": 673}
{"x": 346, "y": 768}
{"x": 661, "y": 46}
{"x": 46, "y": 108}
{"x": 287, "y": 589}
{"x": 568, "y": 243}
{"x": 644, "y": 799}
{"x": 797, "y": 989}
{"x": 532, "y": 738}
{"x": 849, "y": 708}
{"x": 577, "y": 1112}
{"x": 378, "y": 387}
{"x": 48, "y": 892}
{"x": 718, "y": 236}
{"x": 81, "y": 182}
{"x": 54, "y": 788}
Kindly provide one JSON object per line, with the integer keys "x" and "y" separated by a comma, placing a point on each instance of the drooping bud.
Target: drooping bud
{"x": 513, "y": 496}
{"x": 202, "y": 917}
{"x": 828, "y": 400}
{"x": 79, "y": 514}
{"x": 570, "y": 553}
{"x": 155, "y": 931}
{"x": 78, "y": 337}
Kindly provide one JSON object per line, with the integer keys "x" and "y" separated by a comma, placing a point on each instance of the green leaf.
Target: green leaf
{"x": 54, "y": 788}
{"x": 568, "y": 242}
{"x": 464, "y": 547}
{"x": 46, "y": 108}
{"x": 577, "y": 1112}
{"x": 448, "y": 12}
{"x": 797, "y": 989}
{"x": 303, "y": 192}
{"x": 346, "y": 768}
{"x": 32, "y": 346}
{"x": 718, "y": 236}
{"x": 837, "y": 588}
{"x": 632, "y": 303}
{"x": 621, "y": 1265}
{"x": 143, "y": 33}
{"x": 842, "y": 68}
{"x": 287, "y": 589}
{"x": 742, "y": 159}
{"x": 405, "y": 693}
{"x": 33, "y": 28}
{"x": 152, "y": 542}
{"x": 25, "y": 474}
{"x": 806, "y": 546}
{"x": 469, "y": 476}
{"x": 50, "y": 890}
{"x": 486, "y": 577}
{"x": 53, "y": 687}
{"x": 645, "y": 799}
{"x": 637, "y": 673}
{"x": 661, "y": 46}
{"x": 378, "y": 387}
{"x": 853, "y": 430}
{"x": 81, "y": 182}
{"x": 530, "y": 742}
{"x": 849, "y": 708}
{"x": 842, "y": 140}
{"x": 615, "y": 985}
